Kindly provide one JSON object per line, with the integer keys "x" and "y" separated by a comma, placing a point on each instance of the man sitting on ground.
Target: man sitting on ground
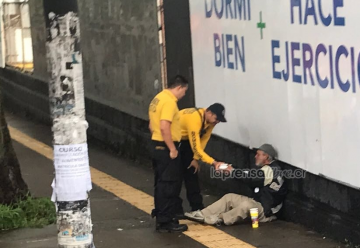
{"x": 269, "y": 193}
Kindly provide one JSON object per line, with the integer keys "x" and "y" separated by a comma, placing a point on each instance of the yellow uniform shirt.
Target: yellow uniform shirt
{"x": 191, "y": 122}
{"x": 164, "y": 107}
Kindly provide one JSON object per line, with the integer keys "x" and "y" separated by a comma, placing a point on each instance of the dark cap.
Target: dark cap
{"x": 219, "y": 110}
{"x": 268, "y": 149}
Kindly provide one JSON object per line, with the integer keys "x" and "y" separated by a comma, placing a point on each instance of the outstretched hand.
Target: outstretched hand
{"x": 217, "y": 164}
{"x": 196, "y": 165}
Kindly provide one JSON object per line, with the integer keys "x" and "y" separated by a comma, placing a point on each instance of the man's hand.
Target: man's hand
{"x": 229, "y": 169}
{"x": 196, "y": 165}
{"x": 217, "y": 164}
{"x": 165, "y": 128}
{"x": 173, "y": 153}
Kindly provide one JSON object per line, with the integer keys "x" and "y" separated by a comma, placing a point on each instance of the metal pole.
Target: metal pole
{"x": 72, "y": 181}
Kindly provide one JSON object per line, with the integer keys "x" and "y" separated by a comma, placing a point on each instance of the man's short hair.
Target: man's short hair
{"x": 178, "y": 81}
{"x": 270, "y": 158}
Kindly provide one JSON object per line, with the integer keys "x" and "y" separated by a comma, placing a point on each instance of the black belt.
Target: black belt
{"x": 162, "y": 143}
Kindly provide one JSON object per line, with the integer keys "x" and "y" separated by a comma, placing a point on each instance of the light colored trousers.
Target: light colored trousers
{"x": 234, "y": 208}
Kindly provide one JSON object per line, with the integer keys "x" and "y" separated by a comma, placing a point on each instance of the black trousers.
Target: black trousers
{"x": 191, "y": 180}
{"x": 167, "y": 183}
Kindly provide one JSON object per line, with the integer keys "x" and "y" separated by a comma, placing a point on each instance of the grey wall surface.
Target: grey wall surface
{"x": 121, "y": 53}
{"x": 120, "y": 46}
{"x": 178, "y": 46}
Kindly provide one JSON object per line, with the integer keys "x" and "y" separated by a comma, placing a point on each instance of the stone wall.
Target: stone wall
{"x": 121, "y": 52}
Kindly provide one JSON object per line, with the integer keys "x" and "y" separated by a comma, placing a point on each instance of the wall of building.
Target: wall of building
{"x": 121, "y": 53}
{"x": 120, "y": 46}
{"x": 178, "y": 46}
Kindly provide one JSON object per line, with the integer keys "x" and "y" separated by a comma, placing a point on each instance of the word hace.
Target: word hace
{"x": 315, "y": 11}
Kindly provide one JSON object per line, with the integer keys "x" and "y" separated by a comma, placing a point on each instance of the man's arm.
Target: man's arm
{"x": 194, "y": 139}
{"x": 150, "y": 128}
{"x": 165, "y": 128}
{"x": 168, "y": 112}
{"x": 205, "y": 138}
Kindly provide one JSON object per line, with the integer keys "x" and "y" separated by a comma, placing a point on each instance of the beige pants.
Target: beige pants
{"x": 234, "y": 208}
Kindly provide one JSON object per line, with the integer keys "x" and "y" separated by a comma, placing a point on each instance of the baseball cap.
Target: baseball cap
{"x": 219, "y": 110}
{"x": 268, "y": 149}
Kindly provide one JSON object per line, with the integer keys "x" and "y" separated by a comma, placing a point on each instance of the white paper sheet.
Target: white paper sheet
{"x": 72, "y": 179}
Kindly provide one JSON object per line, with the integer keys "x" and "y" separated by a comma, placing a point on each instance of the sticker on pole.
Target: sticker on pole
{"x": 73, "y": 179}
{"x": 75, "y": 228}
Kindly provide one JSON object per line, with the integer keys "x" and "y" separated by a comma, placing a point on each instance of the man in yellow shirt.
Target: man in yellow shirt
{"x": 196, "y": 128}
{"x": 164, "y": 125}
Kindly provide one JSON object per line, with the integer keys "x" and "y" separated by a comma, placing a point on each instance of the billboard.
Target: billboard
{"x": 288, "y": 73}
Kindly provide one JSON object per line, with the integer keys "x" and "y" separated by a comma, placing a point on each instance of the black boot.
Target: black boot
{"x": 153, "y": 213}
{"x": 171, "y": 227}
{"x": 175, "y": 221}
{"x": 180, "y": 216}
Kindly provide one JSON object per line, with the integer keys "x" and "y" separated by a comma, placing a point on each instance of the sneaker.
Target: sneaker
{"x": 195, "y": 215}
{"x": 171, "y": 227}
{"x": 271, "y": 218}
{"x": 213, "y": 220}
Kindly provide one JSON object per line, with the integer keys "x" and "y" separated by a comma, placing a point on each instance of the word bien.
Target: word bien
{"x": 229, "y": 52}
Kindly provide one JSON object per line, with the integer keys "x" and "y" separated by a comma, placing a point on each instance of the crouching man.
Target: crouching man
{"x": 269, "y": 193}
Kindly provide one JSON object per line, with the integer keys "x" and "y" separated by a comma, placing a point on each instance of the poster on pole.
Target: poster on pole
{"x": 72, "y": 170}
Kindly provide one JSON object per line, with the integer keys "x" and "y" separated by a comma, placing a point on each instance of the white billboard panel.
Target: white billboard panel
{"x": 288, "y": 73}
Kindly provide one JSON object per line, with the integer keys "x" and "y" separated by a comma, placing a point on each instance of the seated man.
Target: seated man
{"x": 269, "y": 193}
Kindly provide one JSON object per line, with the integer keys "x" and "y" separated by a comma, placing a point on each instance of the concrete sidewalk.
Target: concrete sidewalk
{"x": 117, "y": 223}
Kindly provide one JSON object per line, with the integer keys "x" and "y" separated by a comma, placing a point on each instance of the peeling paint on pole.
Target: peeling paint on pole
{"x": 72, "y": 181}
